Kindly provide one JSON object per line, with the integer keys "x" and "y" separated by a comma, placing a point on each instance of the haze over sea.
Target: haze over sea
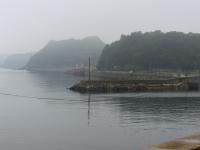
{"x": 38, "y": 112}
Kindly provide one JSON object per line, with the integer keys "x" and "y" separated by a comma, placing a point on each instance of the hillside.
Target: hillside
{"x": 66, "y": 53}
{"x": 152, "y": 50}
{"x": 2, "y": 58}
{"x": 17, "y": 61}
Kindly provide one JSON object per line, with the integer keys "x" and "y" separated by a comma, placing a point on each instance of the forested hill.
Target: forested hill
{"x": 66, "y": 53}
{"x": 152, "y": 50}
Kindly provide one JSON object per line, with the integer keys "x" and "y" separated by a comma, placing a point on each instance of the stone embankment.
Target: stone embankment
{"x": 116, "y": 86}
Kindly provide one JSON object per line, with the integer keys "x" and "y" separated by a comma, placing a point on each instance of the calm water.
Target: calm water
{"x": 58, "y": 119}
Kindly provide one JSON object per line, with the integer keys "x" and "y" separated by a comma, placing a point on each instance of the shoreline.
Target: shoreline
{"x": 187, "y": 143}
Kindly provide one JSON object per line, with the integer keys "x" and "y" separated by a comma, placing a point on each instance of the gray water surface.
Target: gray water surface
{"x": 38, "y": 112}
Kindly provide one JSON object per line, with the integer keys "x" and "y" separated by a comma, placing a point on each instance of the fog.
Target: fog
{"x": 27, "y": 25}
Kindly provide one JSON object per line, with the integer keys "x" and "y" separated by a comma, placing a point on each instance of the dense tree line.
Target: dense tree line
{"x": 152, "y": 50}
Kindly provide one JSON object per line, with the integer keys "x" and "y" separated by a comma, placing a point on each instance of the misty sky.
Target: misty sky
{"x": 27, "y": 25}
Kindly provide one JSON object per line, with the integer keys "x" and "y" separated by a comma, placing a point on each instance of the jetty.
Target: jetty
{"x": 118, "y": 82}
{"x": 117, "y": 86}
{"x": 186, "y": 143}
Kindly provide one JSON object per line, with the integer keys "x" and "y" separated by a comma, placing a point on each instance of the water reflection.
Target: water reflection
{"x": 178, "y": 110}
{"x": 89, "y": 99}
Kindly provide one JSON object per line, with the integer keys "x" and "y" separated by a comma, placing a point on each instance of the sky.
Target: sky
{"x": 28, "y": 25}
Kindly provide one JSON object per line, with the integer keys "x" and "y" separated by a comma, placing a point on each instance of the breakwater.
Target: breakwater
{"x": 116, "y": 86}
